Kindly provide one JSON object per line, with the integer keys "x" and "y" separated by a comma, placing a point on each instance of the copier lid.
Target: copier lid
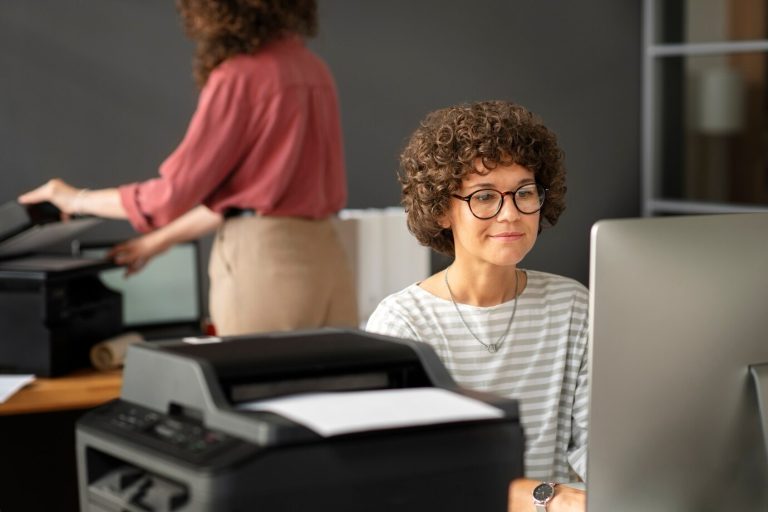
{"x": 28, "y": 229}
{"x": 266, "y": 357}
{"x": 41, "y": 267}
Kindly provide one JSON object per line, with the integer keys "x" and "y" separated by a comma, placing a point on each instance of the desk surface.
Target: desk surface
{"x": 79, "y": 390}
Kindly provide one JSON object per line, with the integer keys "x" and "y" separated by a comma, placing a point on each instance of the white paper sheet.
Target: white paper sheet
{"x": 10, "y": 384}
{"x": 331, "y": 414}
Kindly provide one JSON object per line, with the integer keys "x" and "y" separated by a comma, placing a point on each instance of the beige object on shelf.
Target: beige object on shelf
{"x": 721, "y": 101}
{"x": 110, "y": 353}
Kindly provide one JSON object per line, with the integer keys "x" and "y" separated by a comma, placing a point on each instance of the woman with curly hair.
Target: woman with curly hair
{"x": 262, "y": 161}
{"x": 479, "y": 183}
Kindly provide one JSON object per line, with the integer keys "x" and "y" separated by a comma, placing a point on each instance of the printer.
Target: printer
{"x": 53, "y": 306}
{"x": 187, "y": 433}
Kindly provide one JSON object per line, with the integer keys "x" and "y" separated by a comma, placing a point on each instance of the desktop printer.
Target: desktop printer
{"x": 181, "y": 439}
{"x": 53, "y": 307}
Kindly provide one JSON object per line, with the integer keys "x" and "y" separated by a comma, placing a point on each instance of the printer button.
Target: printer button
{"x": 129, "y": 418}
{"x": 197, "y": 446}
{"x": 176, "y": 425}
{"x": 212, "y": 438}
{"x": 122, "y": 424}
{"x": 179, "y": 439}
{"x": 164, "y": 430}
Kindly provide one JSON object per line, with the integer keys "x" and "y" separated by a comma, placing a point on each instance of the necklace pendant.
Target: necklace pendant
{"x": 493, "y": 347}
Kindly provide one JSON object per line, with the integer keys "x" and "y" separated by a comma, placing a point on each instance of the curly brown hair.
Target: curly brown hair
{"x": 224, "y": 28}
{"x": 445, "y": 149}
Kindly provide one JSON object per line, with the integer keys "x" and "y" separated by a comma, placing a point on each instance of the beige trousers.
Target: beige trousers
{"x": 279, "y": 273}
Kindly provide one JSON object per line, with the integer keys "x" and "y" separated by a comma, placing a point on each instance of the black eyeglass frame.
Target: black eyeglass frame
{"x": 542, "y": 194}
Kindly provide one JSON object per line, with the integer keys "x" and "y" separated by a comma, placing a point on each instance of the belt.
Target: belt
{"x": 239, "y": 212}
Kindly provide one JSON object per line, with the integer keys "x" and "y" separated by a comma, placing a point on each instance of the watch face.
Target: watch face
{"x": 543, "y": 492}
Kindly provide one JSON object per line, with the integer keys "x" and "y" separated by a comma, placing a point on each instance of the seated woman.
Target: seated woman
{"x": 479, "y": 182}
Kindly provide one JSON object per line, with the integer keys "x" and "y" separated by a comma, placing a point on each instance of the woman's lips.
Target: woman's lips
{"x": 507, "y": 236}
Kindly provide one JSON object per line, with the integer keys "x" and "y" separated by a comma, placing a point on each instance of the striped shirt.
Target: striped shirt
{"x": 541, "y": 362}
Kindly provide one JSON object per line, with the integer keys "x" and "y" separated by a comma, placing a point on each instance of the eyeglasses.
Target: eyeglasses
{"x": 487, "y": 203}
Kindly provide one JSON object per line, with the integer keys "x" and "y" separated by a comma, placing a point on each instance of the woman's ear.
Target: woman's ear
{"x": 444, "y": 222}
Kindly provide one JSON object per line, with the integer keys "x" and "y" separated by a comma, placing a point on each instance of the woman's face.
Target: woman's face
{"x": 503, "y": 240}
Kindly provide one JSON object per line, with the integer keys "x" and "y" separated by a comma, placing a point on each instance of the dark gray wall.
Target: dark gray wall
{"x": 94, "y": 91}
{"x": 576, "y": 64}
{"x": 99, "y": 91}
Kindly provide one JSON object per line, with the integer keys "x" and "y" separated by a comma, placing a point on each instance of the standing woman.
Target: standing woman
{"x": 479, "y": 182}
{"x": 262, "y": 161}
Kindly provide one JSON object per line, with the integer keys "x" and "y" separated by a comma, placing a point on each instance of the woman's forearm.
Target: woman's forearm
{"x": 190, "y": 226}
{"x": 134, "y": 254}
{"x": 101, "y": 203}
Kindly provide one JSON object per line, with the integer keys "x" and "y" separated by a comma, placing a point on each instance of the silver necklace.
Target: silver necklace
{"x": 492, "y": 347}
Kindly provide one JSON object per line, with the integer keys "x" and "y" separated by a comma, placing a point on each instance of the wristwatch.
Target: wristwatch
{"x": 542, "y": 495}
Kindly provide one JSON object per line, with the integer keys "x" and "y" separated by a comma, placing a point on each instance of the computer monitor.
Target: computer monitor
{"x": 679, "y": 312}
{"x": 164, "y": 299}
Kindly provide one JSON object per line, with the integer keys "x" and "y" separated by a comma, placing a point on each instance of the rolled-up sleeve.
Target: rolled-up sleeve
{"x": 211, "y": 148}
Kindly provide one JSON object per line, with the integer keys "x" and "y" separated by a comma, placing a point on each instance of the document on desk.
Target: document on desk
{"x": 331, "y": 414}
{"x": 10, "y": 384}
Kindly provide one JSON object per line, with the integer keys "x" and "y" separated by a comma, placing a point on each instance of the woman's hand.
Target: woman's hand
{"x": 65, "y": 197}
{"x": 137, "y": 252}
{"x": 566, "y": 499}
{"x": 105, "y": 202}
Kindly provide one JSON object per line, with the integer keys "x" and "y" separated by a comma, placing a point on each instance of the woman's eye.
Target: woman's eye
{"x": 484, "y": 197}
{"x": 528, "y": 192}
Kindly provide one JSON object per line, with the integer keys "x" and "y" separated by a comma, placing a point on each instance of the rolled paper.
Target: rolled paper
{"x": 110, "y": 353}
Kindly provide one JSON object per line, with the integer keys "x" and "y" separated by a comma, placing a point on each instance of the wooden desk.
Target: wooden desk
{"x": 37, "y": 441}
{"x": 80, "y": 390}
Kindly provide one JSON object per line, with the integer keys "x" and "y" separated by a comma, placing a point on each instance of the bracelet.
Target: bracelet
{"x": 77, "y": 208}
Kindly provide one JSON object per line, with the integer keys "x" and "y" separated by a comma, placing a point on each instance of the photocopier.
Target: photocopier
{"x": 53, "y": 306}
{"x": 187, "y": 433}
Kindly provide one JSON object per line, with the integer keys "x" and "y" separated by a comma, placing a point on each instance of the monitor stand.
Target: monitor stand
{"x": 760, "y": 378}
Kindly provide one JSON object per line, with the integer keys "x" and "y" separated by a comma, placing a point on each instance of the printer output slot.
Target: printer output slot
{"x": 261, "y": 390}
{"x": 408, "y": 376}
{"x": 118, "y": 486}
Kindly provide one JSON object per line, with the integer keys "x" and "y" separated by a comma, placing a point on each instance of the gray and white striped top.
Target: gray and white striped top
{"x": 542, "y": 362}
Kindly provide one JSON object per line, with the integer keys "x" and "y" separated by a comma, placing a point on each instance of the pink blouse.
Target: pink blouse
{"x": 266, "y": 135}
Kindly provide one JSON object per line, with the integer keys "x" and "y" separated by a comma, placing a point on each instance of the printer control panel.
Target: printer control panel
{"x": 182, "y": 437}
{"x": 117, "y": 483}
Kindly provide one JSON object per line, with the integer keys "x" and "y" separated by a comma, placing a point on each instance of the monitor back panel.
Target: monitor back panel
{"x": 679, "y": 310}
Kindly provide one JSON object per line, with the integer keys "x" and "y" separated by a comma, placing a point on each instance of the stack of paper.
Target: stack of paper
{"x": 10, "y": 384}
{"x": 331, "y": 414}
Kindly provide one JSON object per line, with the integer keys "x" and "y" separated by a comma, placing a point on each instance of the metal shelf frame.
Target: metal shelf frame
{"x": 652, "y": 202}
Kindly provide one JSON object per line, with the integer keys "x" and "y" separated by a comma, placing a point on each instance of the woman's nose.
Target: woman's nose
{"x": 508, "y": 210}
